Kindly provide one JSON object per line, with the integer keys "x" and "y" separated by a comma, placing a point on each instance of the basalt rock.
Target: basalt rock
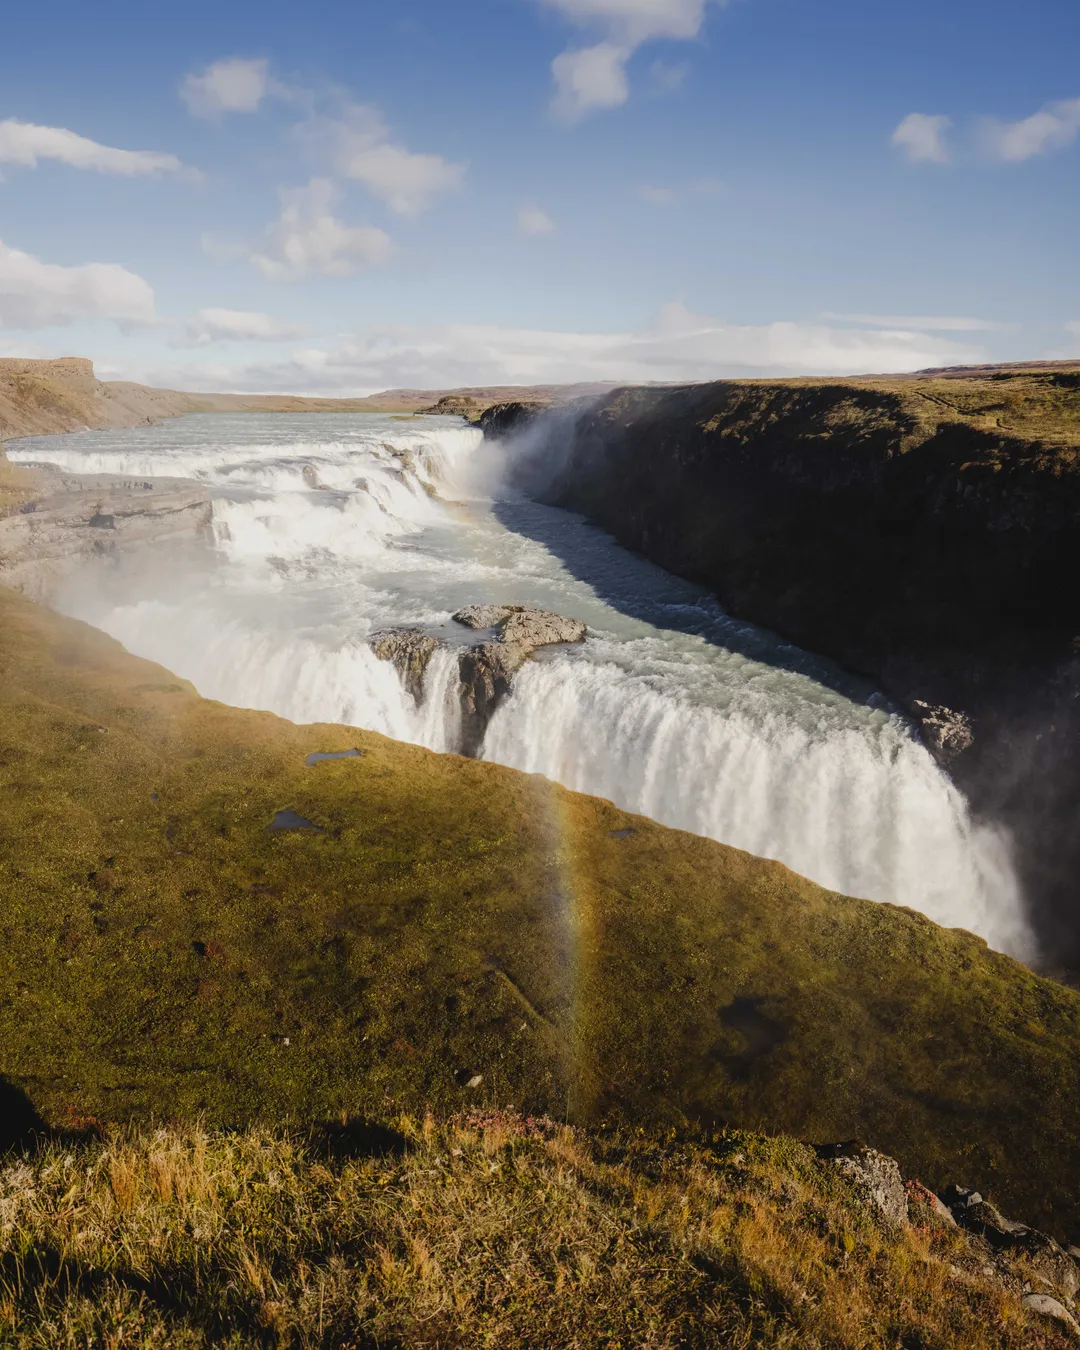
{"x": 486, "y": 670}
{"x": 519, "y": 625}
{"x": 947, "y": 733}
{"x": 410, "y": 649}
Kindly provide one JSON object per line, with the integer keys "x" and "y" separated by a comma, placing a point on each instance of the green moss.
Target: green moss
{"x": 164, "y": 954}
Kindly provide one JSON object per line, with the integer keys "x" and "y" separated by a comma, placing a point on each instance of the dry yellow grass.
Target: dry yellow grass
{"x": 492, "y": 1230}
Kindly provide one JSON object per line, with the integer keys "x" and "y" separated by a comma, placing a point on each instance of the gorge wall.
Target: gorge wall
{"x": 923, "y": 532}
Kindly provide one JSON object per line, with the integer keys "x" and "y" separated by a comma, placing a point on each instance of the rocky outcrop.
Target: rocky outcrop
{"x": 410, "y": 649}
{"x": 486, "y": 668}
{"x": 875, "y": 1177}
{"x": 920, "y": 532}
{"x": 1021, "y": 1260}
{"x": 67, "y": 520}
{"x": 503, "y": 419}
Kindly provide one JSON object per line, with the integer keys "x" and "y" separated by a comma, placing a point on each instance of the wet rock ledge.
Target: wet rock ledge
{"x": 508, "y": 635}
{"x": 63, "y": 520}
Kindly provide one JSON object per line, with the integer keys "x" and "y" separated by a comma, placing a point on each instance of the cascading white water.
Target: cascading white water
{"x": 330, "y": 527}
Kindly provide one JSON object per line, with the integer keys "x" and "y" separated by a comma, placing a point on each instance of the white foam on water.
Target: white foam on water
{"x": 329, "y": 527}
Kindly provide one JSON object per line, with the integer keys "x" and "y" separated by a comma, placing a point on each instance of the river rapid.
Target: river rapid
{"x": 329, "y": 527}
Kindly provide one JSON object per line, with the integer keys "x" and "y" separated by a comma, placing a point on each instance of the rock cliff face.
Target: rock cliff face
{"x": 61, "y": 521}
{"x": 925, "y": 533}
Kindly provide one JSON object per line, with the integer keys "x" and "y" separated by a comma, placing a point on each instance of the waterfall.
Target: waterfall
{"x": 330, "y": 527}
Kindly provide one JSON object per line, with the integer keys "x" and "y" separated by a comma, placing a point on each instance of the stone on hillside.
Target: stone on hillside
{"x": 1031, "y": 1253}
{"x": 876, "y": 1177}
{"x": 1046, "y": 1306}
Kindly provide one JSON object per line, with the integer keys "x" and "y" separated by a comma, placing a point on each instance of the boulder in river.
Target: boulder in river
{"x": 410, "y": 649}
{"x": 486, "y": 669}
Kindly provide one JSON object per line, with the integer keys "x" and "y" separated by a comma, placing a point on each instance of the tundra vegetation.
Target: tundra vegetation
{"x": 485, "y": 1229}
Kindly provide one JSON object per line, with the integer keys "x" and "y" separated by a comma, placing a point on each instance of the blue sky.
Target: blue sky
{"x": 342, "y": 197}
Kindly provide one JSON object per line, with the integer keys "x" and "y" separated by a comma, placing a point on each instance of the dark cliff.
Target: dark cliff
{"x": 923, "y": 532}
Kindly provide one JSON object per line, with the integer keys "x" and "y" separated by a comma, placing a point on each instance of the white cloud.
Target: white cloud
{"x": 1054, "y": 127}
{"x": 1073, "y": 328}
{"x": 531, "y": 220}
{"x": 309, "y": 240}
{"x": 588, "y": 78}
{"x": 593, "y": 77}
{"x": 678, "y": 346}
{"x": 633, "y": 22}
{"x": 36, "y": 294}
{"x": 922, "y": 323}
{"x": 922, "y": 138}
{"x": 237, "y": 325}
{"x": 25, "y": 144}
{"x": 658, "y": 196}
{"x": 358, "y": 145}
{"x": 237, "y": 84}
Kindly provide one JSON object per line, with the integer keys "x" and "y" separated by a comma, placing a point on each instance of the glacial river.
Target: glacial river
{"x": 328, "y": 527}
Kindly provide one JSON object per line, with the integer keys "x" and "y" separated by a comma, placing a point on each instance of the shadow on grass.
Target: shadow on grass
{"x": 20, "y": 1125}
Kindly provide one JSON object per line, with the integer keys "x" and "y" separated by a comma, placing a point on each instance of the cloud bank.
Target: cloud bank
{"x": 25, "y": 144}
{"x": 36, "y": 294}
{"x": 679, "y": 346}
{"x": 237, "y": 325}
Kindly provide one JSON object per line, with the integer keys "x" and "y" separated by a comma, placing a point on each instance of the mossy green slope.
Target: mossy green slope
{"x": 163, "y": 953}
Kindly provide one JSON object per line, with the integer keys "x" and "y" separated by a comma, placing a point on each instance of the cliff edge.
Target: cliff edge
{"x": 922, "y": 531}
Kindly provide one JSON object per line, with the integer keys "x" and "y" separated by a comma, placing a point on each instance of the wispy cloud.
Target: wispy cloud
{"x": 678, "y": 346}
{"x": 357, "y": 144}
{"x": 665, "y": 78}
{"x": 669, "y": 196}
{"x": 1053, "y": 127}
{"x": 657, "y": 196}
{"x": 531, "y": 220}
{"x": 236, "y": 84}
{"x": 237, "y": 325}
{"x": 921, "y": 136}
{"x": 25, "y": 144}
{"x": 308, "y": 239}
{"x": 595, "y": 77}
{"x": 36, "y": 294}
{"x": 921, "y": 323}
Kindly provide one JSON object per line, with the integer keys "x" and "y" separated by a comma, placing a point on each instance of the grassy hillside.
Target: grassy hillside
{"x": 454, "y": 932}
{"x": 489, "y": 1230}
